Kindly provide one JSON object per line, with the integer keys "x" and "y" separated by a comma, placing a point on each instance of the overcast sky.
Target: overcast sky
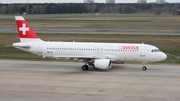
{"x": 75, "y": 1}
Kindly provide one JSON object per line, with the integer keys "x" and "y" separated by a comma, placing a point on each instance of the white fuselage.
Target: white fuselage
{"x": 114, "y": 51}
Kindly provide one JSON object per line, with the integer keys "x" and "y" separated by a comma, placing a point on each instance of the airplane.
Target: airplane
{"x": 98, "y": 55}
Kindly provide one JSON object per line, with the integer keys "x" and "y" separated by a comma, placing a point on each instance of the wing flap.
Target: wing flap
{"x": 112, "y": 57}
{"x": 71, "y": 57}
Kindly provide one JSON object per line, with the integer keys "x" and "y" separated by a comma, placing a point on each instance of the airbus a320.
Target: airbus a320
{"x": 98, "y": 55}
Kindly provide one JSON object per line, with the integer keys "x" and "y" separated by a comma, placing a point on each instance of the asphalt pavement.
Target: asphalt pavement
{"x": 96, "y": 31}
{"x": 65, "y": 81}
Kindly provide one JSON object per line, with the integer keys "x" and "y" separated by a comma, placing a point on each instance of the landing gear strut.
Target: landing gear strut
{"x": 85, "y": 67}
{"x": 144, "y": 66}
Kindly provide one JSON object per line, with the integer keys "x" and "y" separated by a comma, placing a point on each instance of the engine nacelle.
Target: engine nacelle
{"x": 103, "y": 63}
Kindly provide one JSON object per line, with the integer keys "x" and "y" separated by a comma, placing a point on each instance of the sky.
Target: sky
{"x": 75, "y": 1}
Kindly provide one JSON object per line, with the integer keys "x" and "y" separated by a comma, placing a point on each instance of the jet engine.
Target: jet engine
{"x": 103, "y": 63}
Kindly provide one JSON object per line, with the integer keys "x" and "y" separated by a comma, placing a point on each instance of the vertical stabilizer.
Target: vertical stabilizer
{"x": 26, "y": 33}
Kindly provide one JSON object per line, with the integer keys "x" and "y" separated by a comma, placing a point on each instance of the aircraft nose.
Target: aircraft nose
{"x": 164, "y": 56}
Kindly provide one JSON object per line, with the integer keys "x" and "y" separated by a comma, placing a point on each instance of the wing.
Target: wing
{"x": 112, "y": 57}
{"x": 71, "y": 57}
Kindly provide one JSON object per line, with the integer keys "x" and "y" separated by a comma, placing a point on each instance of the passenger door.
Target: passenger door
{"x": 40, "y": 46}
{"x": 142, "y": 51}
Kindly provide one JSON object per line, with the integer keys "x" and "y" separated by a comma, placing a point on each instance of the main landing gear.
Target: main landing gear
{"x": 85, "y": 67}
{"x": 144, "y": 66}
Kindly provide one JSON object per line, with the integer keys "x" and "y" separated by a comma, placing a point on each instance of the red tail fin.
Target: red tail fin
{"x": 24, "y": 29}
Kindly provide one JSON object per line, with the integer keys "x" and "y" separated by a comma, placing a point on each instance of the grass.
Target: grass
{"x": 168, "y": 44}
{"x": 127, "y": 21}
{"x": 100, "y": 25}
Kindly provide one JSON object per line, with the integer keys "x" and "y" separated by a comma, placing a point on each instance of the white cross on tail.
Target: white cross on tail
{"x": 24, "y": 29}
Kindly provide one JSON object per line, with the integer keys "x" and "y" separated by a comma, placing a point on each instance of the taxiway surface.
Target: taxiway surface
{"x": 97, "y": 31}
{"x": 65, "y": 81}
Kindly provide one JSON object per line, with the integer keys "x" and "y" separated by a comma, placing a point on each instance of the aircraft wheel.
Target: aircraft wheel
{"x": 144, "y": 68}
{"x": 85, "y": 67}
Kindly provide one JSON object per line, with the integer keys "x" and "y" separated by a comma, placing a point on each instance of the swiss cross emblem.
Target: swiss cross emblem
{"x": 24, "y": 29}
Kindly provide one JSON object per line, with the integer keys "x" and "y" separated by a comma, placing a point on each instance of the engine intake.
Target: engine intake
{"x": 103, "y": 63}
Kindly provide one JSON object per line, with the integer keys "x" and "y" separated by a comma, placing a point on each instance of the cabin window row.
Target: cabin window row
{"x": 92, "y": 49}
{"x": 121, "y": 50}
{"x": 72, "y": 49}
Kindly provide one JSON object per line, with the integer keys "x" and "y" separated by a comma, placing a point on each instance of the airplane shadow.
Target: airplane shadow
{"x": 114, "y": 68}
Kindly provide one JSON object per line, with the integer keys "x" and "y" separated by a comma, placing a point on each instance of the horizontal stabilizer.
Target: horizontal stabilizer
{"x": 21, "y": 45}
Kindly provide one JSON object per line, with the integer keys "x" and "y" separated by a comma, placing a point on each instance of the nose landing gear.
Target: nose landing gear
{"x": 144, "y": 66}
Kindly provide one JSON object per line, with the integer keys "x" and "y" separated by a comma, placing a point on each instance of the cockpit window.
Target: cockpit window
{"x": 155, "y": 50}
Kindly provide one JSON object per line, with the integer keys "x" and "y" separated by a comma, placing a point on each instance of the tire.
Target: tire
{"x": 144, "y": 68}
{"x": 85, "y": 67}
